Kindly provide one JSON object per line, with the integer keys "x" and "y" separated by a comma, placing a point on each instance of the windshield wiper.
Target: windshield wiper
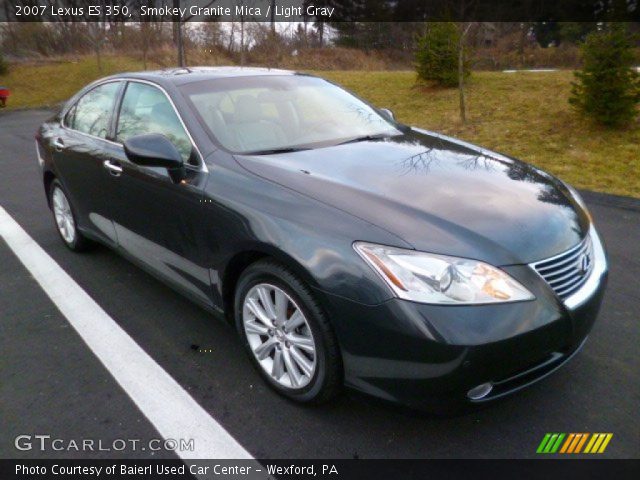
{"x": 277, "y": 150}
{"x": 272, "y": 151}
{"x": 364, "y": 138}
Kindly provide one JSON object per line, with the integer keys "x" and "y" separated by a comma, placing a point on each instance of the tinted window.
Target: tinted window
{"x": 146, "y": 109}
{"x": 93, "y": 111}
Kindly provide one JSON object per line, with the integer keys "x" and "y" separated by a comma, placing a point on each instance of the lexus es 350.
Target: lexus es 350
{"x": 347, "y": 248}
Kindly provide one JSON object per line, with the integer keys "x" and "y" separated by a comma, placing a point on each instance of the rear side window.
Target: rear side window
{"x": 146, "y": 109}
{"x": 93, "y": 111}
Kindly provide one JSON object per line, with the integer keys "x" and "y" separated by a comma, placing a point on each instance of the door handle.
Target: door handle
{"x": 113, "y": 167}
{"x": 58, "y": 144}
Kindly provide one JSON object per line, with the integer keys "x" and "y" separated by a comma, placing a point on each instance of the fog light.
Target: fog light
{"x": 481, "y": 391}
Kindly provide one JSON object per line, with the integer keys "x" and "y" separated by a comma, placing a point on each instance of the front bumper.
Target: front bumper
{"x": 431, "y": 356}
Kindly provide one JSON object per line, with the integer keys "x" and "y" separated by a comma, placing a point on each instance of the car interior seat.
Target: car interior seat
{"x": 251, "y": 130}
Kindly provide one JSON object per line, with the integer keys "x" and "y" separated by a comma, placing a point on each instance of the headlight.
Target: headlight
{"x": 429, "y": 278}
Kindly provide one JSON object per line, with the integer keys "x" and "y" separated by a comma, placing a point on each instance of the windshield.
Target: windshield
{"x": 265, "y": 114}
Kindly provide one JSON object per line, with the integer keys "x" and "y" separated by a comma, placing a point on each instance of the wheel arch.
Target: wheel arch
{"x": 242, "y": 260}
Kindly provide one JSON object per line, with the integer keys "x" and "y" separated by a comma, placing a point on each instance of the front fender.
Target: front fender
{"x": 245, "y": 213}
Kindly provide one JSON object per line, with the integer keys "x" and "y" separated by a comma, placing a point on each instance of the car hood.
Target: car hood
{"x": 438, "y": 194}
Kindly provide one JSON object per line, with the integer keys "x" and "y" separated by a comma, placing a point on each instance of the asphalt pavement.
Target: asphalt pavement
{"x": 52, "y": 383}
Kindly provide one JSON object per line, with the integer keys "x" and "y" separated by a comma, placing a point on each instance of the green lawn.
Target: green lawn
{"x": 525, "y": 115}
{"x": 37, "y": 85}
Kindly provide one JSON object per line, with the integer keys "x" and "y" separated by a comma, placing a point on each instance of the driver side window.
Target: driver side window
{"x": 146, "y": 109}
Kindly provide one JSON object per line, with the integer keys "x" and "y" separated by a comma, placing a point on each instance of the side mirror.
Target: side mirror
{"x": 387, "y": 113}
{"x": 152, "y": 150}
{"x": 155, "y": 150}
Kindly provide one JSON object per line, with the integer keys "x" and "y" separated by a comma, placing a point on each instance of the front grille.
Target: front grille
{"x": 567, "y": 272}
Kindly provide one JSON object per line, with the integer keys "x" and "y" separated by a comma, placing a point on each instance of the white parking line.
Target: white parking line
{"x": 171, "y": 410}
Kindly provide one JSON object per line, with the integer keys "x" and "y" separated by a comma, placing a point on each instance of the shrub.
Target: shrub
{"x": 4, "y": 66}
{"x": 437, "y": 54}
{"x": 607, "y": 88}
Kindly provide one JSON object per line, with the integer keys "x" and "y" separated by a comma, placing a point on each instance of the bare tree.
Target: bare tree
{"x": 179, "y": 34}
{"x": 179, "y": 38}
{"x": 242, "y": 3}
{"x": 145, "y": 33}
{"x": 242, "y": 52}
{"x": 464, "y": 30}
{"x": 232, "y": 38}
{"x": 273, "y": 17}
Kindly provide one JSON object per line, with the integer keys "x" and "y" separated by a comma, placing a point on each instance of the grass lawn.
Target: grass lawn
{"x": 37, "y": 85}
{"x": 525, "y": 115}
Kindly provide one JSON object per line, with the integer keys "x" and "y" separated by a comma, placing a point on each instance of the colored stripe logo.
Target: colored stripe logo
{"x": 574, "y": 443}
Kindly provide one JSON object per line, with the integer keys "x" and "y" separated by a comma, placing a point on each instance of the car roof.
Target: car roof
{"x": 184, "y": 75}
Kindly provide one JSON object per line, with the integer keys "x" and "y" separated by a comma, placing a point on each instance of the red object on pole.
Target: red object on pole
{"x": 4, "y": 94}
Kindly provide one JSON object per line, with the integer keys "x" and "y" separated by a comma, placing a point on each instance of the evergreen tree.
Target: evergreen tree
{"x": 607, "y": 88}
{"x": 437, "y": 54}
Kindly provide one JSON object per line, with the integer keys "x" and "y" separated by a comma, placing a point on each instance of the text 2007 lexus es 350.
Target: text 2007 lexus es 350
{"x": 347, "y": 248}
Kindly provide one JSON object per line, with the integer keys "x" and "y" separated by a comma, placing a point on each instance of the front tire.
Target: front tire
{"x": 286, "y": 334}
{"x": 65, "y": 219}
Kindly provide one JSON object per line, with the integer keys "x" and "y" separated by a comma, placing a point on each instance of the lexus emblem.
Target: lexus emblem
{"x": 583, "y": 264}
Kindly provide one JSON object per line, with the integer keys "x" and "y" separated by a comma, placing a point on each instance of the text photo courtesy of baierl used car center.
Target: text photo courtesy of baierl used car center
{"x": 339, "y": 239}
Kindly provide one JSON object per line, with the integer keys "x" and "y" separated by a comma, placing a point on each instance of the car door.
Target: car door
{"x": 79, "y": 149}
{"x": 157, "y": 220}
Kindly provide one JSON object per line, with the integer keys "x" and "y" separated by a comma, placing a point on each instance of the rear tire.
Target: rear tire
{"x": 65, "y": 218}
{"x": 286, "y": 334}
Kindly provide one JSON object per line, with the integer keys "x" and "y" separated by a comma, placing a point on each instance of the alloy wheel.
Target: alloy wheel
{"x": 63, "y": 215}
{"x": 279, "y": 336}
